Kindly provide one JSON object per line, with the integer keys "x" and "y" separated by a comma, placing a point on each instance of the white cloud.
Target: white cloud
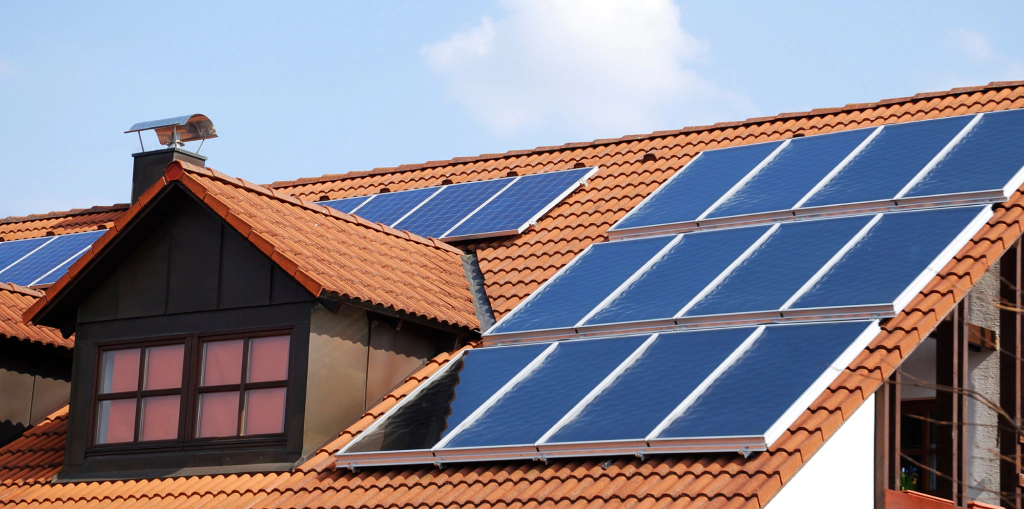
{"x": 7, "y": 69}
{"x": 975, "y": 45}
{"x": 602, "y": 66}
{"x": 974, "y": 60}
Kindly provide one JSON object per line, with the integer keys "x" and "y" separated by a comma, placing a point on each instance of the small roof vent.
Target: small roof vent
{"x": 174, "y": 132}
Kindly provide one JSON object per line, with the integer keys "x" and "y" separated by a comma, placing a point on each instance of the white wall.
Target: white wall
{"x": 841, "y": 474}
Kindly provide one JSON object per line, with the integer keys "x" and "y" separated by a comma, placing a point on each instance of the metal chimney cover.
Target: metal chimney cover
{"x": 189, "y": 128}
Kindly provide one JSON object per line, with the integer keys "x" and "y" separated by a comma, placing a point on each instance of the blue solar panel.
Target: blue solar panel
{"x": 12, "y": 251}
{"x": 521, "y": 202}
{"x": 765, "y": 381}
{"x": 580, "y": 287}
{"x": 791, "y": 174}
{"x": 779, "y": 267}
{"x": 451, "y": 396}
{"x": 44, "y": 262}
{"x": 679, "y": 276}
{"x": 346, "y": 205}
{"x": 530, "y": 408}
{"x": 387, "y": 208}
{"x": 889, "y": 162}
{"x": 698, "y": 185}
{"x": 450, "y": 206}
{"x": 885, "y": 261}
{"x": 986, "y": 159}
{"x": 685, "y": 358}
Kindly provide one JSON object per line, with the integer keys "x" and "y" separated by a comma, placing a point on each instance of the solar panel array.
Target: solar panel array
{"x": 955, "y": 160}
{"x": 837, "y": 267}
{"x": 637, "y": 394}
{"x": 725, "y": 302}
{"x": 486, "y": 208}
{"x": 42, "y": 261}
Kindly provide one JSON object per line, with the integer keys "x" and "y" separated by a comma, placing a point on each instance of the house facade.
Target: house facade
{"x": 223, "y": 343}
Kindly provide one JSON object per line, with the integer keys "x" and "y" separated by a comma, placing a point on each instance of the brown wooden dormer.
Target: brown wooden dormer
{"x": 197, "y": 353}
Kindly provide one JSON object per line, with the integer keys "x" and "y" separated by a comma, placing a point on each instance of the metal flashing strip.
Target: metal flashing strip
{"x": 482, "y": 205}
{"x": 939, "y": 157}
{"x": 30, "y": 253}
{"x": 746, "y": 178}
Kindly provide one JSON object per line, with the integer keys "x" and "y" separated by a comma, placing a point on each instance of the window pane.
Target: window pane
{"x": 120, "y": 371}
{"x": 116, "y": 421}
{"x": 264, "y": 411}
{"x": 268, "y": 359}
{"x": 218, "y": 414}
{"x": 222, "y": 362}
{"x": 160, "y": 417}
{"x": 163, "y": 367}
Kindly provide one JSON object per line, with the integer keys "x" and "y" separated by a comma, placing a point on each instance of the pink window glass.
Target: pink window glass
{"x": 268, "y": 359}
{"x": 120, "y": 371}
{"x": 218, "y": 414}
{"x": 264, "y": 411}
{"x": 116, "y": 421}
{"x": 160, "y": 417}
{"x": 222, "y": 362}
{"x": 163, "y": 367}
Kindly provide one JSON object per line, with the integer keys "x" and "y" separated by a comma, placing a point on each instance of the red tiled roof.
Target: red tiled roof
{"x": 60, "y": 223}
{"x": 694, "y": 480}
{"x": 328, "y": 252}
{"x": 14, "y": 300}
{"x": 513, "y": 268}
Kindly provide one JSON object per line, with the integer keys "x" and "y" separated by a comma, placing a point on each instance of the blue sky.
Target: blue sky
{"x": 301, "y": 89}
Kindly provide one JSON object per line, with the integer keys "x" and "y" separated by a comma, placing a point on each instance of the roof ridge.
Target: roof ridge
{"x": 332, "y": 177}
{"x": 65, "y": 213}
{"x": 309, "y": 205}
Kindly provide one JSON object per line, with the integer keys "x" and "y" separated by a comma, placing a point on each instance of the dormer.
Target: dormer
{"x": 222, "y": 327}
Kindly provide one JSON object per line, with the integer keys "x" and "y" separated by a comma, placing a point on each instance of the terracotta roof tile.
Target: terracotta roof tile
{"x": 14, "y": 300}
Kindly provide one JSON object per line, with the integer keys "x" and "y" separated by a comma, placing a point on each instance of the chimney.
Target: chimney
{"x": 172, "y": 133}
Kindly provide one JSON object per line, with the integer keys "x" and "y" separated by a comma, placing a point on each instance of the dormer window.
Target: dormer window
{"x": 193, "y": 389}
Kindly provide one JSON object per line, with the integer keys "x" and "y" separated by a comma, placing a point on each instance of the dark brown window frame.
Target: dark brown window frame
{"x": 190, "y": 390}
